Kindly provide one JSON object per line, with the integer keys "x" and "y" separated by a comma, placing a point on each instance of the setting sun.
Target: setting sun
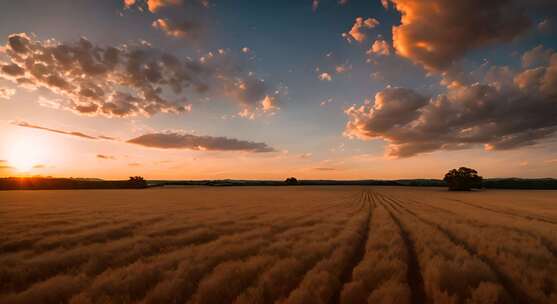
{"x": 23, "y": 155}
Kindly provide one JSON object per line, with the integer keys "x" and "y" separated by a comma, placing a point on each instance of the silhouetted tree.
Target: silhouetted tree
{"x": 463, "y": 179}
{"x": 138, "y": 181}
{"x": 291, "y": 181}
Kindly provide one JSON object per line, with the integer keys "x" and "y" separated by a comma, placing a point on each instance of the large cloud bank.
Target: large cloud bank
{"x": 508, "y": 109}
{"x": 125, "y": 80}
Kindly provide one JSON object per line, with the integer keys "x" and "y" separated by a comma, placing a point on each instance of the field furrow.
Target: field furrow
{"x": 526, "y": 271}
{"x": 257, "y": 245}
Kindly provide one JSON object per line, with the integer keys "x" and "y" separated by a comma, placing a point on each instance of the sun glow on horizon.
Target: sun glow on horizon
{"x": 24, "y": 154}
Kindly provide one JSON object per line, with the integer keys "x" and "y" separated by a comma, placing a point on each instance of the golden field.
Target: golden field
{"x": 336, "y": 244}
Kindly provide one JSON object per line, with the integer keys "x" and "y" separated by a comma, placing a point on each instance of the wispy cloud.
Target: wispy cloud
{"x": 169, "y": 141}
{"x": 71, "y": 133}
{"x": 106, "y": 157}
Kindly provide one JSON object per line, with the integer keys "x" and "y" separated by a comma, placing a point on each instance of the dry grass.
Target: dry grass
{"x": 278, "y": 245}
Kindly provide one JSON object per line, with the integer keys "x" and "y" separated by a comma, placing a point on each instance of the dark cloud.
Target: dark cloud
{"x": 325, "y": 169}
{"x": 499, "y": 114}
{"x": 156, "y": 5}
{"x": 194, "y": 142}
{"x": 72, "y": 133}
{"x": 127, "y": 80}
{"x": 437, "y": 33}
{"x": 107, "y": 157}
{"x": 13, "y": 70}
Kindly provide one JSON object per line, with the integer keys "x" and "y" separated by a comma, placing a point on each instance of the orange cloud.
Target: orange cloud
{"x": 155, "y": 5}
{"x": 129, "y": 3}
{"x": 437, "y": 33}
{"x": 358, "y": 30}
{"x": 379, "y": 47}
{"x": 186, "y": 29}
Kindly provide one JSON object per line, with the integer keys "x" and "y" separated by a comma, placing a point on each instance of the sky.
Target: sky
{"x": 316, "y": 89}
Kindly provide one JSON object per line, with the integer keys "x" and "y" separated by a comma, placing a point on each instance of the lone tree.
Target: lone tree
{"x": 138, "y": 181}
{"x": 463, "y": 179}
{"x": 291, "y": 181}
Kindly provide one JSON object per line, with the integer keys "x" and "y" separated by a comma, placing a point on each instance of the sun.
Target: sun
{"x": 23, "y": 155}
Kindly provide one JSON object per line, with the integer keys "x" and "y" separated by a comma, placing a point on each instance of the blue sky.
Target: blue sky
{"x": 289, "y": 44}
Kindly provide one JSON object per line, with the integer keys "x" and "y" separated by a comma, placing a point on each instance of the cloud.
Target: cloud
{"x": 13, "y": 70}
{"x": 326, "y": 102}
{"x": 185, "y": 29}
{"x": 325, "y": 76}
{"x": 500, "y": 117}
{"x": 546, "y": 26}
{"x": 6, "y": 93}
{"x": 305, "y": 155}
{"x": 134, "y": 165}
{"x": 379, "y": 47}
{"x": 71, "y": 133}
{"x": 537, "y": 56}
{"x": 155, "y": 6}
{"x": 358, "y": 30}
{"x": 169, "y": 141}
{"x": 269, "y": 104}
{"x": 106, "y": 157}
{"x": 324, "y": 169}
{"x": 436, "y": 33}
{"x": 129, "y": 3}
{"x": 314, "y": 5}
{"x": 343, "y": 68}
{"x": 4, "y": 165}
{"x": 194, "y": 142}
{"x": 126, "y": 80}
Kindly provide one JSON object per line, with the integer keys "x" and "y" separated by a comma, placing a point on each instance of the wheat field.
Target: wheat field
{"x": 336, "y": 244}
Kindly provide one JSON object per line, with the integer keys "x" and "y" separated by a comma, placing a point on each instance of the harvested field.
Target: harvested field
{"x": 336, "y": 244}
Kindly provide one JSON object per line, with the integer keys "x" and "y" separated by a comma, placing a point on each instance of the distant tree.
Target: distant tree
{"x": 291, "y": 181}
{"x": 138, "y": 181}
{"x": 463, "y": 179}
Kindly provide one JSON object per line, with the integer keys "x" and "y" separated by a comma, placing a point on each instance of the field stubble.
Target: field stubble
{"x": 278, "y": 245}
